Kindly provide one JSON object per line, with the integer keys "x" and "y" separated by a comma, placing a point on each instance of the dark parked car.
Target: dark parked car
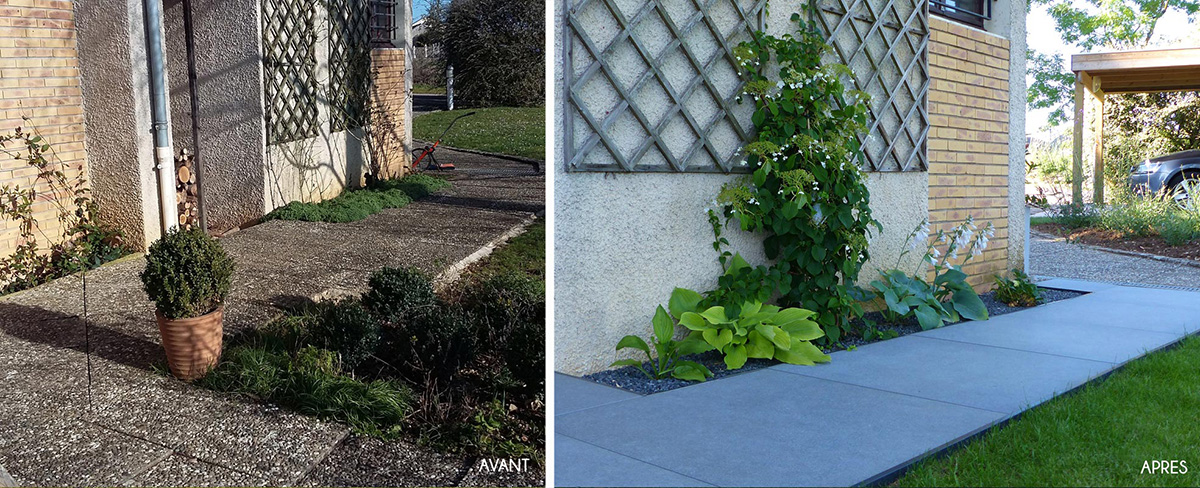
{"x": 1167, "y": 174}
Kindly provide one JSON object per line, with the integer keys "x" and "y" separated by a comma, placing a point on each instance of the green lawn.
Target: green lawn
{"x": 523, "y": 254}
{"x": 1098, "y": 436}
{"x": 429, "y": 89}
{"x": 505, "y": 130}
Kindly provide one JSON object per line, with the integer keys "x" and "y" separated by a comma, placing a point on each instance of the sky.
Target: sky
{"x": 1040, "y": 26}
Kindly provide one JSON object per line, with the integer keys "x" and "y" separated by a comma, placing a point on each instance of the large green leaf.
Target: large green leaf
{"x": 626, "y": 362}
{"x": 634, "y": 342}
{"x": 736, "y": 264}
{"x": 789, "y": 315}
{"x": 758, "y": 346}
{"x": 683, "y": 300}
{"x": 928, "y": 318}
{"x": 691, "y": 371}
{"x": 718, "y": 338}
{"x": 715, "y": 315}
{"x": 950, "y": 276}
{"x": 664, "y": 327}
{"x": 735, "y": 357}
{"x": 693, "y": 344}
{"x": 968, "y": 304}
{"x": 792, "y": 357}
{"x": 805, "y": 330}
{"x": 693, "y": 321}
{"x": 813, "y": 353}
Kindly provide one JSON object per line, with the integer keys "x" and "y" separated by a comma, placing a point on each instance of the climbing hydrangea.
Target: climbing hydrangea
{"x": 807, "y": 195}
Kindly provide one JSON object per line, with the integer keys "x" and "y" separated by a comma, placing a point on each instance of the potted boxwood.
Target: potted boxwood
{"x": 187, "y": 277}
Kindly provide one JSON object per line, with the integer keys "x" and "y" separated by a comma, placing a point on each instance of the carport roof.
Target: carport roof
{"x": 1142, "y": 71}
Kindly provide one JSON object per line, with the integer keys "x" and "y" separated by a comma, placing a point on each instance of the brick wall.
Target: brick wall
{"x": 39, "y": 79}
{"x": 968, "y": 138}
{"x": 388, "y": 116}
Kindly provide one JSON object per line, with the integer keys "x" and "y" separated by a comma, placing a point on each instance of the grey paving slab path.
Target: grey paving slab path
{"x": 142, "y": 428}
{"x": 869, "y": 411}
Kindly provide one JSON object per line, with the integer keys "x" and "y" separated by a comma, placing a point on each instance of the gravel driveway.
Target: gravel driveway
{"x": 1055, "y": 257}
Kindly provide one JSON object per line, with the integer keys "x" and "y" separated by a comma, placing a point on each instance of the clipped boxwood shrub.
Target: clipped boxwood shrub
{"x": 511, "y": 311}
{"x": 349, "y": 329}
{"x": 187, "y": 274}
{"x": 398, "y": 295}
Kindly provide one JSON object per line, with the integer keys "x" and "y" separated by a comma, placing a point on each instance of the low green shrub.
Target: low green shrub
{"x": 1017, "y": 291}
{"x": 187, "y": 274}
{"x": 510, "y": 308}
{"x": 358, "y": 204}
{"x": 349, "y": 329}
{"x": 398, "y": 295}
{"x": 1075, "y": 215}
{"x": 1182, "y": 229}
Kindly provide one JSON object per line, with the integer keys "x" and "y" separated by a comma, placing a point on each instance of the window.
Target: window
{"x": 384, "y": 21}
{"x": 972, "y": 12}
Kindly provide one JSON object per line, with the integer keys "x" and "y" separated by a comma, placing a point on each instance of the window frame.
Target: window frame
{"x": 955, "y": 12}
{"x": 386, "y": 16}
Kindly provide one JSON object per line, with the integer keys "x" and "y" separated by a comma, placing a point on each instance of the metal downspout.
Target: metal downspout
{"x": 164, "y": 156}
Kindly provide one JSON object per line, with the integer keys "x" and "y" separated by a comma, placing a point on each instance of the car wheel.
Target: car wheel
{"x": 1186, "y": 192}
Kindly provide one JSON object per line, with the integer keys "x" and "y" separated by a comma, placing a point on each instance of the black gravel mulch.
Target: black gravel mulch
{"x": 630, "y": 379}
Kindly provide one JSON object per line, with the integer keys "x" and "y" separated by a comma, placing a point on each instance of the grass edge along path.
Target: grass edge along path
{"x": 513, "y": 131}
{"x": 1100, "y": 435}
{"x": 360, "y": 203}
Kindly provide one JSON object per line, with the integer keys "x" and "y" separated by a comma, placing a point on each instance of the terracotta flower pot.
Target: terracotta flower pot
{"x": 193, "y": 345}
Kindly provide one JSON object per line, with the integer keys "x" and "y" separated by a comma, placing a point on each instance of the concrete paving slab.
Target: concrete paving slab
{"x": 363, "y": 461}
{"x": 607, "y": 468}
{"x": 1154, "y": 297}
{"x": 178, "y": 470}
{"x": 1120, "y": 307}
{"x": 769, "y": 428}
{"x": 1075, "y": 285}
{"x": 573, "y": 394}
{"x": 996, "y": 379}
{"x": 71, "y": 452}
{"x": 1082, "y": 339}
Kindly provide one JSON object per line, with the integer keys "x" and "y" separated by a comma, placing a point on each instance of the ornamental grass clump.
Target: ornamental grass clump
{"x": 187, "y": 274}
{"x": 807, "y": 195}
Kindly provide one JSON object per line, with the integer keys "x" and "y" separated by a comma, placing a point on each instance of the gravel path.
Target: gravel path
{"x": 1055, "y": 257}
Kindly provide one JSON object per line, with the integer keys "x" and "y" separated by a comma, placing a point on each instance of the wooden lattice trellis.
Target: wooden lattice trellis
{"x": 289, "y": 70}
{"x": 885, "y": 43}
{"x": 349, "y": 62}
{"x": 651, "y": 86}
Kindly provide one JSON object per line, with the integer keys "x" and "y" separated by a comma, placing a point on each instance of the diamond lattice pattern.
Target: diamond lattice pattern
{"x": 651, "y": 85}
{"x": 349, "y": 62}
{"x": 289, "y": 70}
{"x": 885, "y": 44}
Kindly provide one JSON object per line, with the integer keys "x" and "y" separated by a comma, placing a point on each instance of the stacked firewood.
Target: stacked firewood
{"x": 186, "y": 190}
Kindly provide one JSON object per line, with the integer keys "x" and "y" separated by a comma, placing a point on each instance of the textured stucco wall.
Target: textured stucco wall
{"x": 232, "y": 136}
{"x": 1012, "y": 12}
{"x": 624, "y": 241}
{"x": 112, "y": 59}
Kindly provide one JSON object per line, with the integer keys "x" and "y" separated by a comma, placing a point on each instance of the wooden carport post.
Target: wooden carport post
{"x": 1085, "y": 85}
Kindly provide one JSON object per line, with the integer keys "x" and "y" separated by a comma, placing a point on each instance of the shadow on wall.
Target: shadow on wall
{"x": 63, "y": 331}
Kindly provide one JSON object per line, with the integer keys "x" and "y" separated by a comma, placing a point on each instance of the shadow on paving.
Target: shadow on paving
{"x": 56, "y": 329}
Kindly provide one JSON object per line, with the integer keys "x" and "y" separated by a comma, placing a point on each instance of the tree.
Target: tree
{"x": 1094, "y": 25}
{"x": 498, "y": 51}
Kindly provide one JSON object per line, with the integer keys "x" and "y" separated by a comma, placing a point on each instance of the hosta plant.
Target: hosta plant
{"x": 758, "y": 331}
{"x": 949, "y": 298}
{"x": 1017, "y": 291}
{"x": 667, "y": 352}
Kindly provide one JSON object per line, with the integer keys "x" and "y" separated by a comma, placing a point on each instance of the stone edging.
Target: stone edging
{"x": 1165, "y": 259}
